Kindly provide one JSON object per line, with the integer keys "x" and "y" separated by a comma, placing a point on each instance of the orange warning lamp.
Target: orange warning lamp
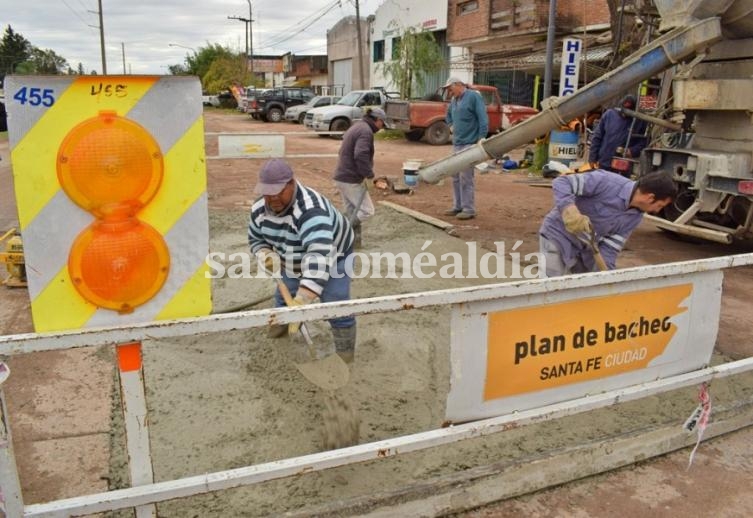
{"x": 119, "y": 263}
{"x": 108, "y": 160}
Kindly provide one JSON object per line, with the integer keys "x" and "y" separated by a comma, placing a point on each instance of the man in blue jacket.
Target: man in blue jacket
{"x": 467, "y": 117}
{"x": 611, "y": 137}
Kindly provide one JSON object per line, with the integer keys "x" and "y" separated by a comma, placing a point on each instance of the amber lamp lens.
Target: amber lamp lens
{"x": 120, "y": 264}
{"x": 108, "y": 159}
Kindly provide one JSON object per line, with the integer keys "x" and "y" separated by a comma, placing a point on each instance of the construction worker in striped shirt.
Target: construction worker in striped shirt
{"x": 297, "y": 231}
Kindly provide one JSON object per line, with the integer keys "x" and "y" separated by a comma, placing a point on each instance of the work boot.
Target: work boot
{"x": 451, "y": 212}
{"x": 356, "y": 234}
{"x": 345, "y": 342}
{"x": 277, "y": 330}
{"x": 465, "y": 215}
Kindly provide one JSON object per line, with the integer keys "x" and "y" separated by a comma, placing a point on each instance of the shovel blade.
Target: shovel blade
{"x": 329, "y": 373}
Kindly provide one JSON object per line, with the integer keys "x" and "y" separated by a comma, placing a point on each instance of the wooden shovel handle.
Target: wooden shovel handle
{"x": 600, "y": 261}
{"x": 285, "y": 292}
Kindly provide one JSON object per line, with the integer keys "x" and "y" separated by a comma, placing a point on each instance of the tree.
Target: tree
{"x": 417, "y": 55}
{"x": 14, "y": 49}
{"x": 628, "y": 35}
{"x": 226, "y": 71}
{"x": 177, "y": 70}
{"x": 47, "y": 62}
{"x": 199, "y": 62}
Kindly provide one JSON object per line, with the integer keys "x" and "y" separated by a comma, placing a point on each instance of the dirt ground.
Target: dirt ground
{"x": 218, "y": 402}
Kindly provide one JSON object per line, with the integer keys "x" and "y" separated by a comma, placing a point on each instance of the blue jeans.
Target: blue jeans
{"x": 336, "y": 289}
{"x": 463, "y": 186}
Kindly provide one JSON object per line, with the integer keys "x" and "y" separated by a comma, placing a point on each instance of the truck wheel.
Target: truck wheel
{"x": 438, "y": 133}
{"x": 414, "y": 135}
{"x": 274, "y": 115}
{"x": 339, "y": 125}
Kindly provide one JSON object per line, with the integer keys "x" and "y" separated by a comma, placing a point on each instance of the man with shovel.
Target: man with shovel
{"x": 297, "y": 232}
{"x": 594, "y": 213}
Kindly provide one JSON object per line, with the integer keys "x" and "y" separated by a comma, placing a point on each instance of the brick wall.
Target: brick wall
{"x": 470, "y": 25}
{"x": 576, "y": 13}
{"x": 494, "y": 18}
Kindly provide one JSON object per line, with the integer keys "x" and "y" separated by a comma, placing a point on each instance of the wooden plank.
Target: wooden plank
{"x": 420, "y": 216}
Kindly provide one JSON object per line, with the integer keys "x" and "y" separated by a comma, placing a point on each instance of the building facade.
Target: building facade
{"x": 388, "y": 24}
{"x": 506, "y": 41}
{"x": 347, "y": 69}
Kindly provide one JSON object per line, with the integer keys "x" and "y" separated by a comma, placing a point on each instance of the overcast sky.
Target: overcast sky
{"x": 146, "y": 28}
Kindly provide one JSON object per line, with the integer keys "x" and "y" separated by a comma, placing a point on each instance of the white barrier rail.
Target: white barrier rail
{"x": 263, "y": 145}
{"x": 153, "y": 493}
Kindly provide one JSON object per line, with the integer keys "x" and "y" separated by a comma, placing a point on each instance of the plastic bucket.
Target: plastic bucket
{"x": 563, "y": 146}
{"x": 410, "y": 172}
{"x": 410, "y": 177}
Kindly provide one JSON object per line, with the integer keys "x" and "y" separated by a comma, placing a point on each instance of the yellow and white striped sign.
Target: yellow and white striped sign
{"x": 48, "y": 117}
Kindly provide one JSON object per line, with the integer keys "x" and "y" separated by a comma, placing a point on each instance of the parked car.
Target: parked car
{"x": 427, "y": 117}
{"x": 340, "y": 115}
{"x": 249, "y": 104}
{"x": 210, "y": 100}
{"x": 3, "y": 115}
{"x": 298, "y": 113}
{"x": 271, "y": 105}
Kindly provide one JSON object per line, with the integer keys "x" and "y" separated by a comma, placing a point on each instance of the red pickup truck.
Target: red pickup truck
{"x": 421, "y": 117}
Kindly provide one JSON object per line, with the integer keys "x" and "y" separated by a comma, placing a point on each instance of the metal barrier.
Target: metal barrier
{"x": 263, "y": 145}
{"x": 506, "y": 296}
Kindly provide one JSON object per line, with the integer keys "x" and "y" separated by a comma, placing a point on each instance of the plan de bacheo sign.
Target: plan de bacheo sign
{"x": 589, "y": 340}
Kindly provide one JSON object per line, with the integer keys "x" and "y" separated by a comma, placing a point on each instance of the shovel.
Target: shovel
{"x": 329, "y": 373}
{"x": 591, "y": 242}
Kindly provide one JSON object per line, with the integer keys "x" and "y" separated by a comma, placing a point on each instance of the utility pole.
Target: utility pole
{"x": 550, "y": 37}
{"x": 251, "y": 42}
{"x": 122, "y": 50}
{"x": 101, "y": 37}
{"x": 247, "y": 21}
{"x": 360, "y": 46}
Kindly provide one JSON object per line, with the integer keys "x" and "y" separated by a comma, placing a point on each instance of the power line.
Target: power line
{"x": 75, "y": 13}
{"x": 318, "y": 15}
{"x": 306, "y": 18}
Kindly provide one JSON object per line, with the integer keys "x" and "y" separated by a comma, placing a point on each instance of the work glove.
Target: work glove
{"x": 302, "y": 297}
{"x": 269, "y": 261}
{"x": 574, "y": 221}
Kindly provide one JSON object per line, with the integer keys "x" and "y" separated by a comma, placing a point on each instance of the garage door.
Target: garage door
{"x": 343, "y": 70}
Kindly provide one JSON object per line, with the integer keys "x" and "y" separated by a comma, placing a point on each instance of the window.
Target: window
{"x": 396, "y": 47}
{"x": 467, "y": 7}
{"x": 379, "y": 51}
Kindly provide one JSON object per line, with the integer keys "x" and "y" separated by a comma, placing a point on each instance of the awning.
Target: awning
{"x": 536, "y": 60}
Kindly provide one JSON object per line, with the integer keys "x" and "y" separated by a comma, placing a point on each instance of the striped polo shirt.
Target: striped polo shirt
{"x": 310, "y": 236}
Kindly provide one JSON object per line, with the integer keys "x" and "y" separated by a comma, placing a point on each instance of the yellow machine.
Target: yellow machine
{"x": 13, "y": 257}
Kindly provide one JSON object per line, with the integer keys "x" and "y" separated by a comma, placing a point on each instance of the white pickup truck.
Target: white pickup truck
{"x": 210, "y": 100}
{"x": 339, "y": 116}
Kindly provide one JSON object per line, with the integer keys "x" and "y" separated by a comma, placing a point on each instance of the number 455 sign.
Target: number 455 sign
{"x": 34, "y": 96}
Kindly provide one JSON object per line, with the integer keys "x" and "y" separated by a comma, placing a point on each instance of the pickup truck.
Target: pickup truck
{"x": 210, "y": 100}
{"x": 297, "y": 113}
{"x": 340, "y": 115}
{"x": 272, "y": 104}
{"x": 421, "y": 118}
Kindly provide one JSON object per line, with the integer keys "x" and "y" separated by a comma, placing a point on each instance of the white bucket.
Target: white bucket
{"x": 410, "y": 172}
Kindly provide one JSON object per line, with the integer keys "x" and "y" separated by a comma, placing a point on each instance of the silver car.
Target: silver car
{"x": 298, "y": 113}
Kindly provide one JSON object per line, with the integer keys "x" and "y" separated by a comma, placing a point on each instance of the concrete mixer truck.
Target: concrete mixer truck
{"x": 705, "y": 53}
